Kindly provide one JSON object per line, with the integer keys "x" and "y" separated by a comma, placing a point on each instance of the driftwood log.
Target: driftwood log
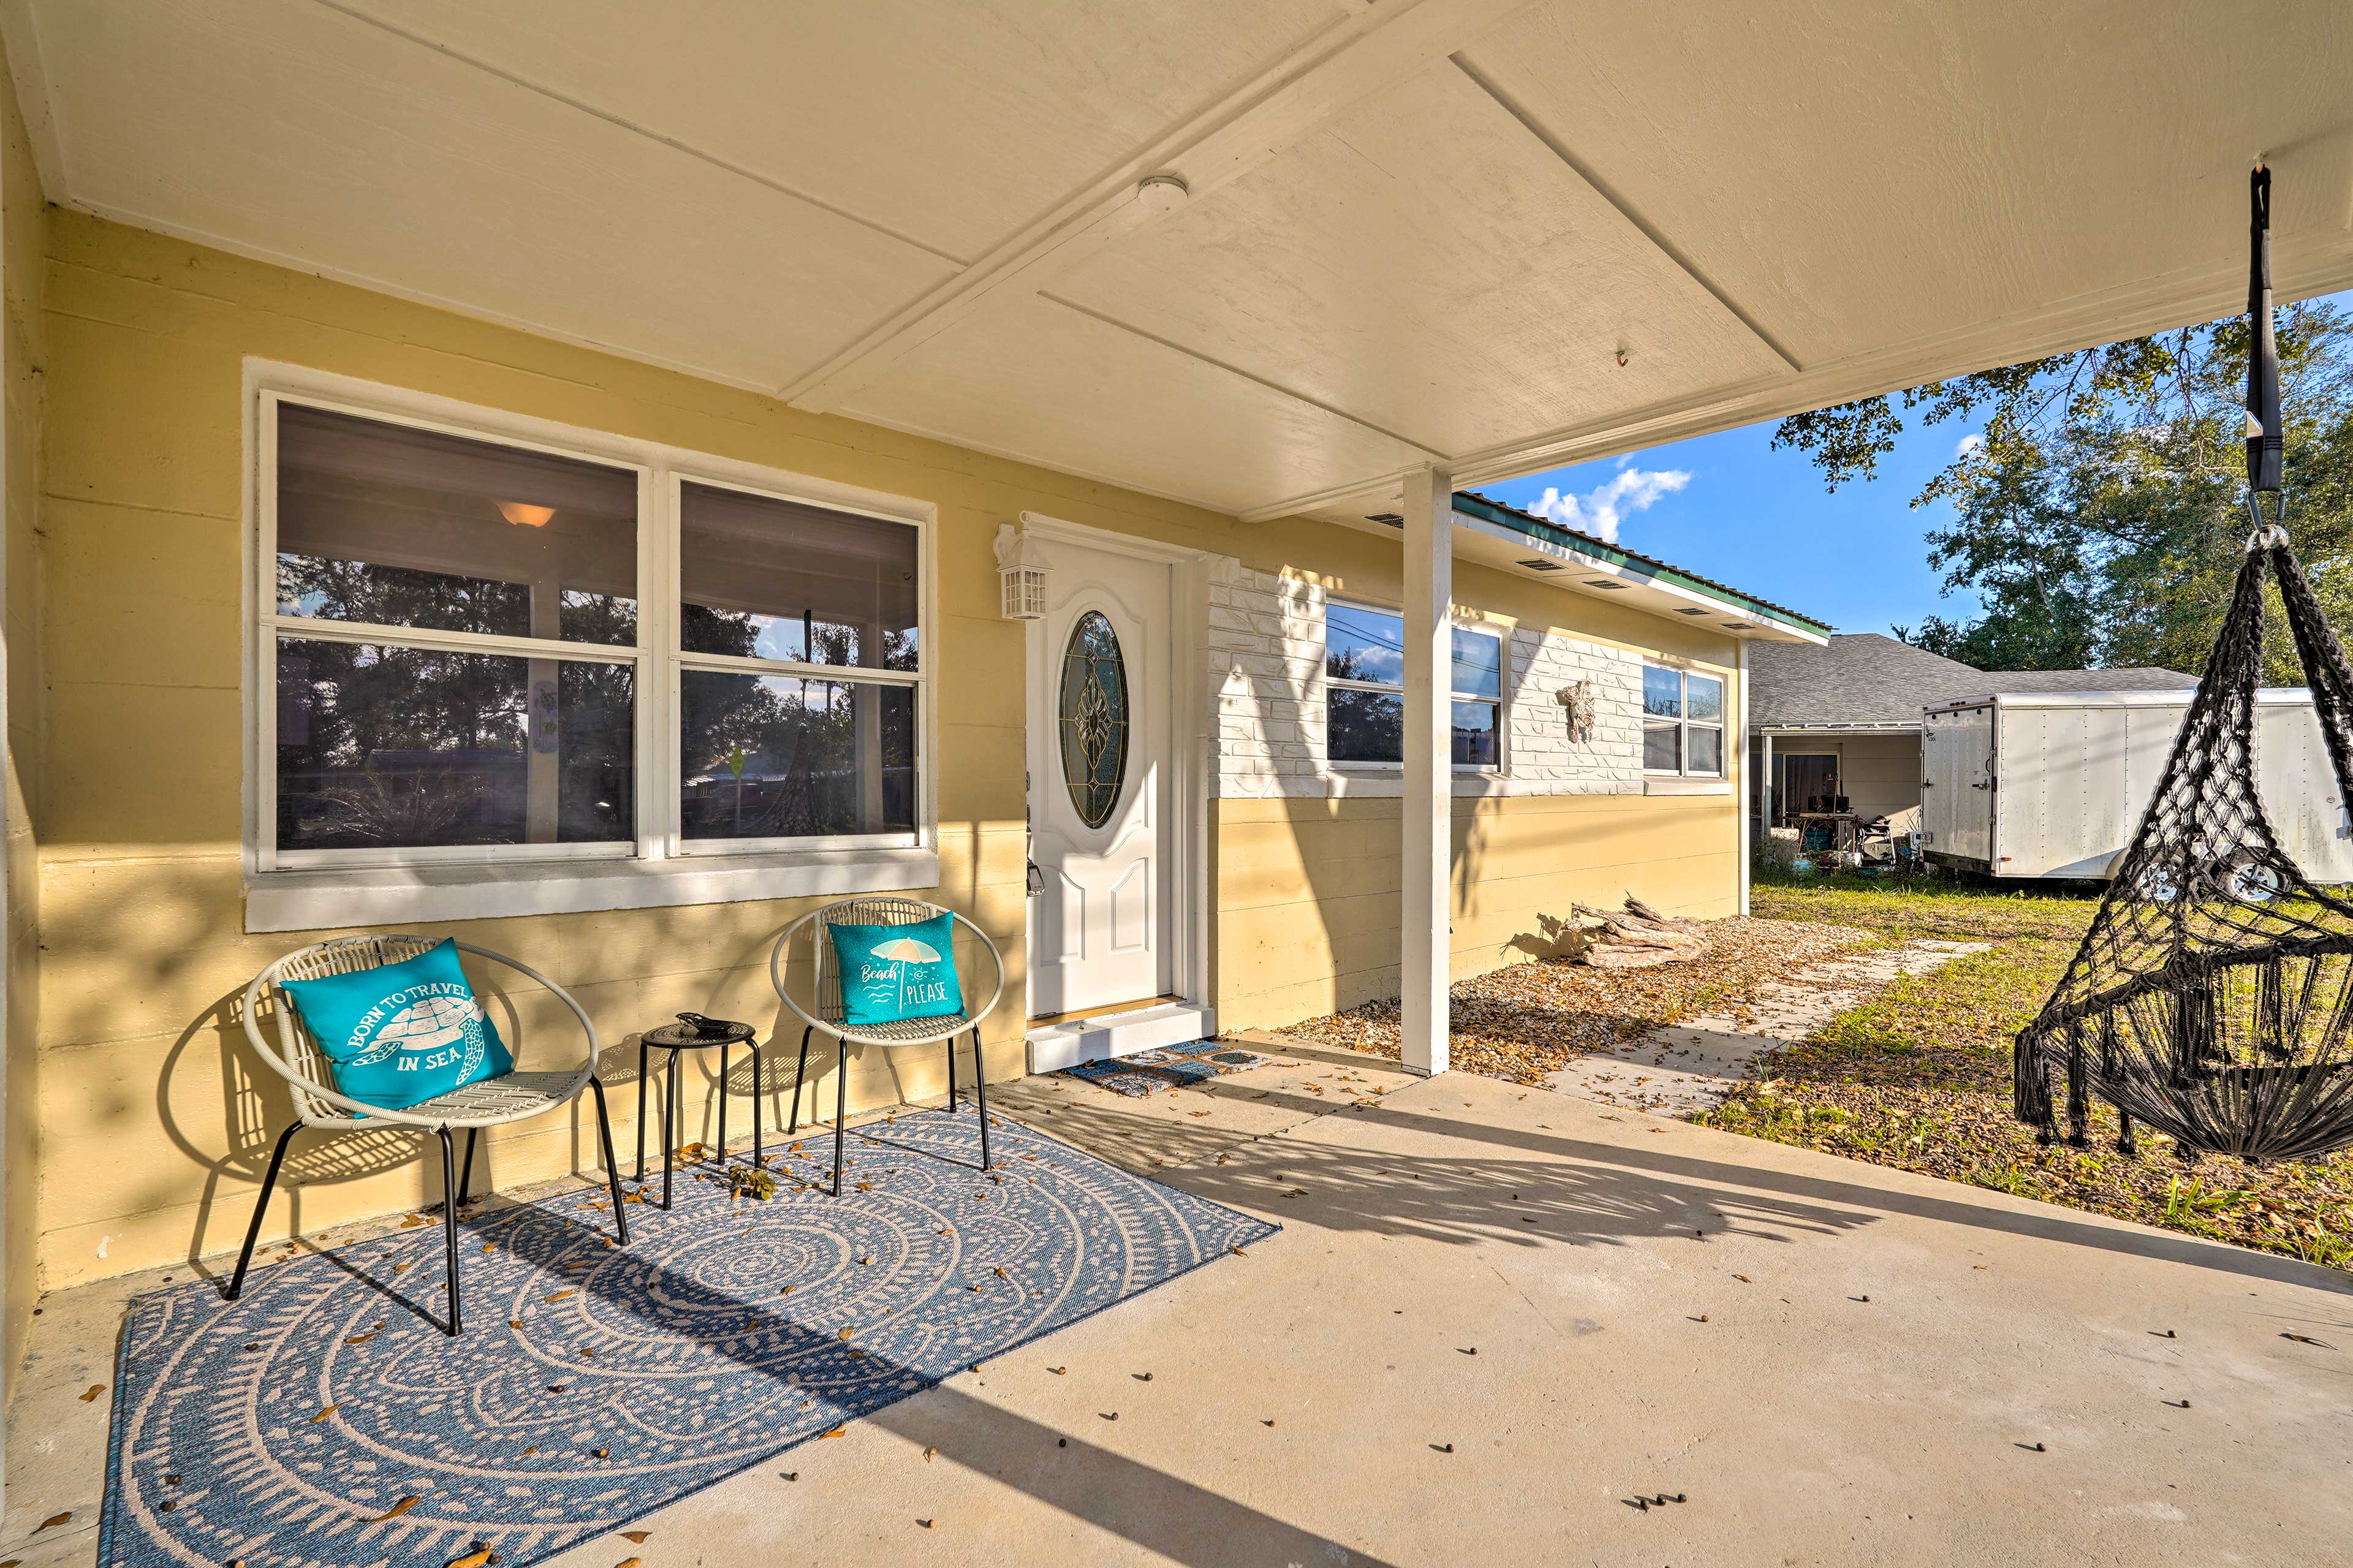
{"x": 1637, "y": 937}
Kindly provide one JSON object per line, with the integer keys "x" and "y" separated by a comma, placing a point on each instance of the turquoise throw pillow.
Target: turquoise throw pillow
{"x": 890, "y": 973}
{"x": 399, "y": 1035}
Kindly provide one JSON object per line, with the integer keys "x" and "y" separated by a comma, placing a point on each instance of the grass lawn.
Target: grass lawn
{"x": 1919, "y": 1078}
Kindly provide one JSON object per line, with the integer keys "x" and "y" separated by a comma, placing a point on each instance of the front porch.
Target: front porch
{"x": 1497, "y": 1319}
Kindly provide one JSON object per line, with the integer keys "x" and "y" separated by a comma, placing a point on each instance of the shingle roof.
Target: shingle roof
{"x": 1865, "y": 678}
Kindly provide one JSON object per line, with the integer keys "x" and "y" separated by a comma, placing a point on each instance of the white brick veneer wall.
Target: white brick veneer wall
{"x": 1542, "y": 759}
{"x": 1266, "y": 666}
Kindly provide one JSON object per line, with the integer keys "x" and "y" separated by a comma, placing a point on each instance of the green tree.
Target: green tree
{"x": 2100, "y": 514}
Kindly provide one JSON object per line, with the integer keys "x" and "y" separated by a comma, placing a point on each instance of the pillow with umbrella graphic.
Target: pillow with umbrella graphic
{"x": 897, "y": 972}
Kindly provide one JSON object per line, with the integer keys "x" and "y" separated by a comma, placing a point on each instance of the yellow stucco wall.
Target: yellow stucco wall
{"x": 21, "y": 220}
{"x": 157, "y": 1122}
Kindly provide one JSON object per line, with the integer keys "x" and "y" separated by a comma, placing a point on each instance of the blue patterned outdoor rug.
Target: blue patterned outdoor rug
{"x": 324, "y": 1422}
{"x": 1173, "y": 1066}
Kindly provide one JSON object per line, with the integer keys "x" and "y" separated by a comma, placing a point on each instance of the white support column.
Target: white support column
{"x": 1743, "y": 763}
{"x": 1429, "y": 766}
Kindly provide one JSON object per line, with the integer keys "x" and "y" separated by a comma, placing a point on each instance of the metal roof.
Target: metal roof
{"x": 1628, "y": 561}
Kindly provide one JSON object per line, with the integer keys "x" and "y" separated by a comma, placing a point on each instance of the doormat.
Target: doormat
{"x": 324, "y": 1420}
{"x": 1173, "y": 1066}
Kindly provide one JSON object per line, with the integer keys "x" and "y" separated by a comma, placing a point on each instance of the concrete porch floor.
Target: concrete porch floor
{"x": 1494, "y": 1316}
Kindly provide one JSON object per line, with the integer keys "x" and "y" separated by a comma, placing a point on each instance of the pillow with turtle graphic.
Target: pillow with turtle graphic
{"x": 891, "y": 973}
{"x": 401, "y": 1034}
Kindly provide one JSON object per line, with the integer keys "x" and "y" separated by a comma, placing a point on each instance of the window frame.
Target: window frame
{"x": 657, "y": 659}
{"x": 678, "y": 661}
{"x": 1501, "y": 701}
{"x": 1683, "y": 723}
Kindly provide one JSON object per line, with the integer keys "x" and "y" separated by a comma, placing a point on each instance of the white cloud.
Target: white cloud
{"x": 1600, "y": 510}
{"x": 1968, "y": 443}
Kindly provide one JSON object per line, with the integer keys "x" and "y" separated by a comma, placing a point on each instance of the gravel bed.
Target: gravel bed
{"x": 1524, "y": 1020}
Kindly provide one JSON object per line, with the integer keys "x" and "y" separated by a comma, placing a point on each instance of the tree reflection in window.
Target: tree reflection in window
{"x": 388, "y": 747}
{"x": 1094, "y": 718}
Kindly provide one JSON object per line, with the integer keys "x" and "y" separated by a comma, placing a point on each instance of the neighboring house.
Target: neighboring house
{"x": 1843, "y": 716}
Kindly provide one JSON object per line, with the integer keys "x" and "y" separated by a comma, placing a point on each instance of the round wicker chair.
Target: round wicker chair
{"x": 295, "y": 1056}
{"x": 880, "y": 912}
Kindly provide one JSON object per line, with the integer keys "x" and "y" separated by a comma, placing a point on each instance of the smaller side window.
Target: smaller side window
{"x": 1682, "y": 722}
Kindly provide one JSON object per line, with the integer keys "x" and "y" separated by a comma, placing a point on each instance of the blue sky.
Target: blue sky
{"x": 1762, "y": 522}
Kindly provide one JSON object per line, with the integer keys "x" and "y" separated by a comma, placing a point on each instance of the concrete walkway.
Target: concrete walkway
{"x": 1695, "y": 1064}
{"x": 1497, "y": 1317}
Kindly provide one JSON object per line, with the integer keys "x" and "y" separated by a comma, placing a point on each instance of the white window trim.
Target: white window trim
{"x": 1684, "y": 724}
{"x": 306, "y": 889}
{"x": 1501, "y": 701}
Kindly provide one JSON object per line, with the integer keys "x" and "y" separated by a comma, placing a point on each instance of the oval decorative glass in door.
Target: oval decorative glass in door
{"x": 1093, "y": 717}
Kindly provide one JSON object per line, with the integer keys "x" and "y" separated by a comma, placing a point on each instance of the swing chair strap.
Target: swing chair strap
{"x": 2267, "y": 443}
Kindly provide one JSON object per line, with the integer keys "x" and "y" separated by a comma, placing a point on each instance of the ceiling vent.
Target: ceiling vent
{"x": 1543, "y": 566}
{"x": 1605, "y": 584}
{"x": 1694, "y": 612}
{"x": 1386, "y": 518}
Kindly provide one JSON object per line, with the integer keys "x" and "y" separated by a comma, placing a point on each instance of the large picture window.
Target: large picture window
{"x": 464, "y": 664}
{"x": 1682, "y": 722}
{"x": 1363, "y": 689}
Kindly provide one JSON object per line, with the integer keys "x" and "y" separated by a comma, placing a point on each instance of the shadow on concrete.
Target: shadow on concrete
{"x": 2046, "y": 1221}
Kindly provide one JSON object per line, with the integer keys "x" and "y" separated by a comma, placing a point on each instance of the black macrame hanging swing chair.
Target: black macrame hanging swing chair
{"x": 2212, "y": 998}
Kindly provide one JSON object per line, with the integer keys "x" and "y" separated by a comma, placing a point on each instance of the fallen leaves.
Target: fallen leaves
{"x": 322, "y": 1415}
{"x": 348, "y": 1338}
{"x": 477, "y": 1558}
{"x": 94, "y": 1391}
{"x": 560, "y": 1296}
{"x": 2308, "y": 1339}
{"x": 1524, "y": 1020}
{"x": 397, "y": 1509}
{"x": 835, "y": 1433}
{"x": 635, "y": 1537}
{"x": 54, "y": 1520}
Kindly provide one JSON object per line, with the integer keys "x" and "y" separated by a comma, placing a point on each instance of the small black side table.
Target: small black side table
{"x": 674, "y": 1038}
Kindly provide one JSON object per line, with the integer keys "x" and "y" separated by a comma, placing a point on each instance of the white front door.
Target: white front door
{"x": 1099, "y": 752}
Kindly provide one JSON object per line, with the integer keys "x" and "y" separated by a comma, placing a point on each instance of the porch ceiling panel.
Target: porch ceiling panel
{"x": 1033, "y": 372}
{"x": 285, "y": 128}
{"x": 1852, "y": 172}
{"x": 1429, "y": 265}
{"x": 951, "y": 125}
{"x": 1414, "y": 230}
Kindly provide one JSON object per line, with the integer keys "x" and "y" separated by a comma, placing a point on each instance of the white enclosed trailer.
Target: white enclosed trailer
{"x": 2054, "y": 784}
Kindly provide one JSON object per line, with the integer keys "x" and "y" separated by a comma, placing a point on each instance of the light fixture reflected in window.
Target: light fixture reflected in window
{"x": 524, "y": 515}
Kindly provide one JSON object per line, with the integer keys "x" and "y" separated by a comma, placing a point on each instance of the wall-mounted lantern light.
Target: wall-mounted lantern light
{"x": 1021, "y": 571}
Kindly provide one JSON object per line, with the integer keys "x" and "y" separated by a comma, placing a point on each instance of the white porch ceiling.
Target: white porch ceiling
{"x": 1417, "y": 230}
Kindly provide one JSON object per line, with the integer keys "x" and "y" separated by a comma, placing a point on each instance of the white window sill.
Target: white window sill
{"x": 1676, "y": 783}
{"x": 1383, "y": 781}
{"x": 410, "y": 895}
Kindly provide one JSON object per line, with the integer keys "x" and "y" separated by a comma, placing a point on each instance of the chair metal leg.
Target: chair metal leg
{"x": 759, "y": 1105}
{"x": 466, "y": 1171}
{"x": 800, "y": 1082}
{"x": 261, "y": 1205}
{"x": 840, "y": 1109}
{"x": 449, "y": 1224}
{"x": 950, "y": 1075}
{"x": 723, "y": 1110}
{"x": 670, "y": 1121}
{"x": 641, "y": 1109}
{"x": 612, "y": 1166}
{"x": 979, "y": 1094}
